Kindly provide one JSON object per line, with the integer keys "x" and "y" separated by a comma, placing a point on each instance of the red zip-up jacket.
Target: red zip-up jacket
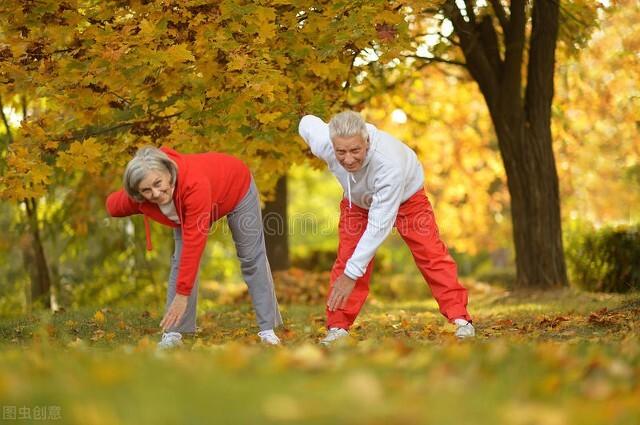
{"x": 208, "y": 187}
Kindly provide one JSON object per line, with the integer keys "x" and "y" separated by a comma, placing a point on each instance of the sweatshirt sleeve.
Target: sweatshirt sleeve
{"x": 382, "y": 215}
{"x": 195, "y": 230}
{"x": 120, "y": 205}
{"x": 315, "y": 133}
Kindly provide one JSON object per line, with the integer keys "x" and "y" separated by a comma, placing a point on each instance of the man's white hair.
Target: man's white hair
{"x": 347, "y": 124}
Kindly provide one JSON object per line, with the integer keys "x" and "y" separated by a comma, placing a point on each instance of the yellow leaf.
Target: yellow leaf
{"x": 283, "y": 124}
{"x": 99, "y": 318}
{"x": 268, "y": 117}
{"x": 177, "y": 54}
{"x": 146, "y": 28}
{"x": 237, "y": 62}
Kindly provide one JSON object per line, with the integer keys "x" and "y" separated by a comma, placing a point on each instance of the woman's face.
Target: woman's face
{"x": 156, "y": 187}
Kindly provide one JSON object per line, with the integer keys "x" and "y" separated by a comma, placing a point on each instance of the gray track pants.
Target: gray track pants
{"x": 245, "y": 222}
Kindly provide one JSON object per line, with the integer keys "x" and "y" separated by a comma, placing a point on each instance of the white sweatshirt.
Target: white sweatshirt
{"x": 390, "y": 174}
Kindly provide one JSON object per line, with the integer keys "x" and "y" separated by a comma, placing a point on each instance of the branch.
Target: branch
{"x": 475, "y": 57}
{"x": 83, "y": 134}
{"x": 490, "y": 45}
{"x": 119, "y": 97}
{"x": 6, "y": 122}
{"x": 501, "y": 14}
{"x": 353, "y": 60}
{"x": 439, "y": 34}
{"x": 515, "y": 42}
{"x": 451, "y": 40}
{"x": 468, "y": 6}
{"x": 437, "y": 59}
{"x": 462, "y": 27}
{"x": 23, "y": 103}
{"x": 430, "y": 10}
{"x": 568, "y": 13}
{"x": 384, "y": 87}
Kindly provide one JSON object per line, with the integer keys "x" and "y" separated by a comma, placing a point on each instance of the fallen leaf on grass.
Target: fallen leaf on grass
{"x": 99, "y": 318}
{"x": 604, "y": 317}
{"x": 51, "y": 330}
{"x": 547, "y": 322}
{"x": 97, "y": 335}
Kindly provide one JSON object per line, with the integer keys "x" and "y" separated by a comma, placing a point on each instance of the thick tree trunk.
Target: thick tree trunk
{"x": 542, "y": 230}
{"x": 35, "y": 260}
{"x": 274, "y": 217}
{"x": 535, "y": 204}
{"x": 523, "y": 127}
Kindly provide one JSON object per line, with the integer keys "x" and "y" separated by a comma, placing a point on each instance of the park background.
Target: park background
{"x": 525, "y": 116}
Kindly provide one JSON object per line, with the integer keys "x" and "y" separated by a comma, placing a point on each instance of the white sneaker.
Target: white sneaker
{"x": 464, "y": 329}
{"x": 269, "y": 337}
{"x": 333, "y": 335}
{"x": 170, "y": 340}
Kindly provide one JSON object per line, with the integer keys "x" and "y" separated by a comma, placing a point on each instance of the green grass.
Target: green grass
{"x": 539, "y": 358}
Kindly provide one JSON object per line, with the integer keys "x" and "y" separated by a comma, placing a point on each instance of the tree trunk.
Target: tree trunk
{"x": 535, "y": 204}
{"x": 539, "y": 234}
{"x": 523, "y": 128}
{"x": 35, "y": 259}
{"x": 274, "y": 218}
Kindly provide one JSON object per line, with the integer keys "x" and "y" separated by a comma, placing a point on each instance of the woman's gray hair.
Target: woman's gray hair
{"x": 146, "y": 159}
{"x": 347, "y": 124}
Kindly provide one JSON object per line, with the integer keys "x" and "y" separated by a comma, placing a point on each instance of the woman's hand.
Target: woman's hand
{"x": 175, "y": 312}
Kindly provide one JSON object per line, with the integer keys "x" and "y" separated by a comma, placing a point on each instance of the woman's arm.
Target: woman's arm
{"x": 196, "y": 222}
{"x": 120, "y": 205}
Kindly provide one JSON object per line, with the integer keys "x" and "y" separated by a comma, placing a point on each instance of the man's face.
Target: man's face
{"x": 350, "y": 151}
{"x": 156, "y": 187}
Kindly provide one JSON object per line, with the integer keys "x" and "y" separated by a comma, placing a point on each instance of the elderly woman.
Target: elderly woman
{"x": 189, "y": 192}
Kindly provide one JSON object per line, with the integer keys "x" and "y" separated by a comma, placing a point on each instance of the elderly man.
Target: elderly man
{"x": 383, "y": 185}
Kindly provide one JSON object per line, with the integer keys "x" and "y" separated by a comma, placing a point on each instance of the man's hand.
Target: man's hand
{"x": 175, "y": 312}
{"x": 342, "y": 288}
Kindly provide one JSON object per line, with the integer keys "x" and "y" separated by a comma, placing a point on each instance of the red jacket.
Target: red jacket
{"x": 208, "y": 187}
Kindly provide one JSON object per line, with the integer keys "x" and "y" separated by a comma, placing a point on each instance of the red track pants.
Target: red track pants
{"x": 417, "y": 226}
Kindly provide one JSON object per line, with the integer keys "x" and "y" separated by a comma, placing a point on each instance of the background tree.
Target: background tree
{"x": 596, "y": 114}
{"x": 104, "y": 78}
{"x": 509, "y": 51}
{"x": 276, "y": 227}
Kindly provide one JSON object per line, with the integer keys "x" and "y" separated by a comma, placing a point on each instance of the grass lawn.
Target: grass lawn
{"x": 560, "y": 357}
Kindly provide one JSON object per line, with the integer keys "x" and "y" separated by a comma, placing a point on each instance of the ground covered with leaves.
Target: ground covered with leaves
{"x": 552, "y": 358}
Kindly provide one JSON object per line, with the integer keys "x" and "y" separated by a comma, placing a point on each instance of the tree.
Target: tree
{"x": 522, "y": 124}
{"x": 446, "y": 122}
{"x": 509, "y": 51}
{"x": 276, "y": 227}
{"x": 33, "y": 252}
{"x": 107, "y": 77}
{"x": 596, "y": 116}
